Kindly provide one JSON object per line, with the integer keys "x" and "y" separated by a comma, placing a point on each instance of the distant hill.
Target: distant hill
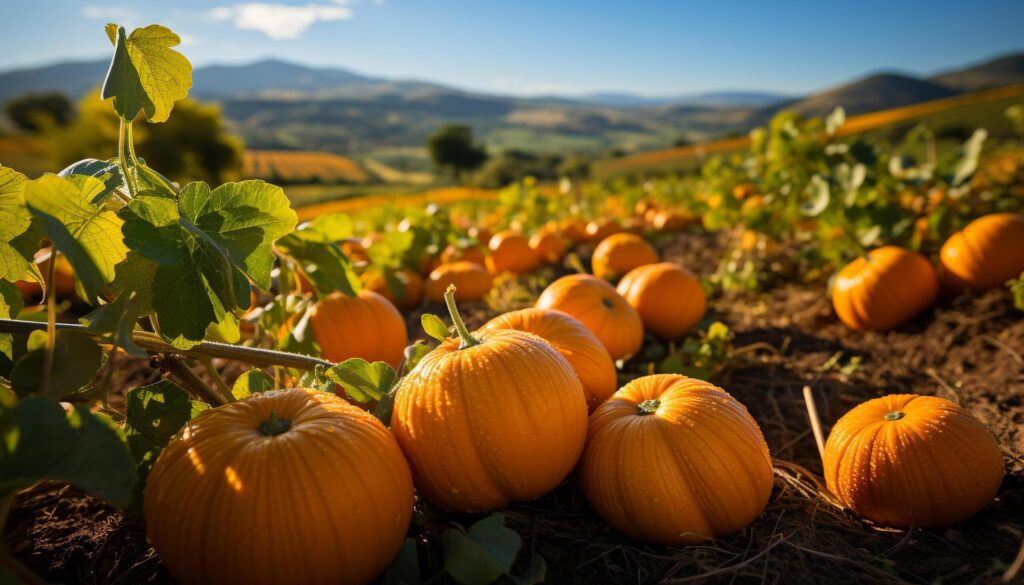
{"x": 875, "y": 92}
{"x": 998, "y": 72}
{"x": 720, "y": 98}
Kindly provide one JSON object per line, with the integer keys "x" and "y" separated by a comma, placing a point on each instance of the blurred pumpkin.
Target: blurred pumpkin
{"x": 906, "y": 460}
{"x": 672, "y": 460}
{"x": 670, "y": 221}
{"x": 366, "y": 326}
{"x": 600, "y": 229}
{"x": 63, "y": 278}
{"x": 411, "y": 295}
{"x": 548, "y": 245}
{"x": 668, "y": 297}
{"x": 574, "y": 229}
{"x": 289, "y": 486}
{"x": 744, "y": 190}
{"x": 619, "y": 253}
{"x": 480, "y": 234}
{"x": 355, "y": 251}
{"x": 884, "y": 289}
{"x": 510, "y": 252}
{"x": 474, "y": 254}
{"x": 635, "y": 225}
{"x": 472, "y": 281}
{"x": 985, "y": 254}
{"x": 603, "y": 311}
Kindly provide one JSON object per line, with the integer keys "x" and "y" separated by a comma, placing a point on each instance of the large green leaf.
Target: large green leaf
{"x": 15, "y": 221}
{"x": 482, "y": 554}
{"x": 115, "y": 322}
{"x": 363, "y": 381}
{"x": 87, "y": 233}
{"x": 76, "y": 359}
{"x": 146, "y": 74}
{"x": 314, "y": 246}
{"x": 10, "y": 305}
{"x": 105, "y": 171}
{"x": 42, "y": 441}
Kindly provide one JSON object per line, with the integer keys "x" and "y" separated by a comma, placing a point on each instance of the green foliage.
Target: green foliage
{"x": 366, "y": 383}
{"x": 75, "y": 361}
{"x": 36, "y": 112}
{"x": 452, "y": 148}
{"x": 486, "y": 552}
{"x": 146, "y": 75}
{"x": 252, "y": 382}
{"x": 435, "y": 327}
{"x": 703, "y": 357}
{"x": 1017, "y": 290}
{"x": 17, "y": 243}
{"x": 314, "y": 248}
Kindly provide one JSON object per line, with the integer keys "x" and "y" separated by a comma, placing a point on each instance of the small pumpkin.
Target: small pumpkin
{"x": 489, "y": 419}
{"x": 668, "y": 297}
{"x": 470, "y": 278}
{"x": 289, "y": 486}
{"x": 985, "y": 254}
{"x": 672, "y": 460}
{"x": 597, "y": 305}
{"x": 354, "y": 249}
{"x": 667, "y": 220}
{"x": 574, "y": 229}
{"x": 584, "y": 352}
{"x": 412, "y": 284}
{"x": 906, "y": 460}
{"x": 884, "y": 289}
{"x": 619, "y": 253}
{"x": 63, "y": 277}
{"x": 453, "y": 253}
{"x": 510, "y": 252}
{"x": 600, "y": 229}
{"x": 365, "y": 326}
{"x": 548, "y": 245}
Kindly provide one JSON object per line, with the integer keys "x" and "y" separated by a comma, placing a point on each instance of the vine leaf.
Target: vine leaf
{"x": 146, "y": 74}
{"x": 486, "y": 552}
{"x": 76, "y": 360}
{"x": 11, "y": 304}
{"x": 434, "y": 327}
{"x": 363, "y": 382}
{"x": 314, "y": 247}
{"x": 87, "y": 233}
{"x": 252, "y": 382}
{"x": 114, "y": 323}
{"x": 42, "y": 441}
{"x": 105, "y": 171}
{"x": 16, "y": 249}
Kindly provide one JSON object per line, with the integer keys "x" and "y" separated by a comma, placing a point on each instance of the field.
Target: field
{"x": 289, "y": 167}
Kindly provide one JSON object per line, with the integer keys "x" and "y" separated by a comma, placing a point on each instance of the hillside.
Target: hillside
{"x": 1004, "y": 70}
{"x": 876, "y": 92}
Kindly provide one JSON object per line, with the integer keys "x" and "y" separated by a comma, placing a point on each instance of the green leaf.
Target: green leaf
{"x": 107, "y": 172}
{"x": 146, "y": 74}
{"x": 87, "y": 233}
{"x": 115, "y": 322}
{"x": 332, "y": 227}
{"x": 363, "y": 382}
{"x": 41, "y": 441}
{"x": 434, "y": 326}
{"x": 971, "y": 155}
{"x": 153, "y": 414}
{"x": 819, "y": 197}
{"x": 324, "y": 263}
{"x": 76, "y": 359}
{"x": 15, "y": 221}
{"x": 482, "y": 554}
{"x": 835, "y": 120}
{"x": 405, "y": 567}
{"x": 10, "y": 305}
{"x": 150, "y": 182}
{"x": 252, "y": 382}
{"x": 413, "y": 354}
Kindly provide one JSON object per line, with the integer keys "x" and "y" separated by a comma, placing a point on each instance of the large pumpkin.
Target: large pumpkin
{"x": 290, "y": 486}
{"x": 673, "y": 460}
{"x": 488, "y": 420}
{"x": 603, "y": 311}
{"x": 584, "y": 352}
{"x": 906, "y": 460}
{"x": 510, "y": 252}
{"x": 470, "y": 278}
{"x": 618, "y": 254}
{"x": 412, "y": 284}
{"x": 548, "y": 245}
{"x": 366, "y": 326}
{"x": 985, "y": 254}
{"x": 668, "y": 297}
{"x": 884, "y": 289}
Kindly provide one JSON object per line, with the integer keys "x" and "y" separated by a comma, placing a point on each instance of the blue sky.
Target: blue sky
{"x": 662, "y": 47}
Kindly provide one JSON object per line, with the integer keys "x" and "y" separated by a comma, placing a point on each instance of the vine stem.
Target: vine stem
{"x": 154, "y": 344}
{"x": 812, "y": 414}
{"x": 221, "y": 385}
{"x": 124, "y": 142}
{"x": 51, "y": 318}
{"x": 467, "y": 338}
{"x": 173, "y": 364}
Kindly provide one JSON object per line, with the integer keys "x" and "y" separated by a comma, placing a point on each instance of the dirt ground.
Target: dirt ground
{"x": 969, "y": 349}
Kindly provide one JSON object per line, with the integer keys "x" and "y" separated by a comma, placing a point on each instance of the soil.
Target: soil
{"x": 969, "y": 349}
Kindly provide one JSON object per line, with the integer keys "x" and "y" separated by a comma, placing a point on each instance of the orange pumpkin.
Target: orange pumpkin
{"x": 670, "y": 221}
{"x": 488, "y": 420}
{"x": 510, "y": 252}
{"x": 353, "y": 248}
{"x": 885, "y": 289}
{"x": 600, "y": 229}
{"x": 548, "y": 245}
{"x": 584, "y": 352}
{"x": 985, "y": 254}
{"x": 574, "y": 229}
{"x": 471, "y": 279}
{"x": 410, "y": 298}
{"x": 618, "y": 254}
{"x": 290, "y": 486}
{"x": 672, "y": 460}
{"x": 453, "y": 253}
{"x": 668, "y": 297}
{"x": 906, "y": 460}
{"x": 603, "y": 311}
{"x": 63, "y": 277}
{"x": 481, "y": 234}
{"x": 366, "y": 326}
{"x": 635, "y": 225}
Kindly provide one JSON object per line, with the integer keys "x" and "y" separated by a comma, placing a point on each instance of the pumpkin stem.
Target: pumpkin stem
{"x": 648, "y": 407}
{"x": 608, "y": 303}
{"x": 460, "y": 326}
{"x": 274, "y": 425}
{"x": 895, "y": 415}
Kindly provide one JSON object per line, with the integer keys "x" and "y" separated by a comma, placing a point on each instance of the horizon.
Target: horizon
{"x": 747, "y": 56}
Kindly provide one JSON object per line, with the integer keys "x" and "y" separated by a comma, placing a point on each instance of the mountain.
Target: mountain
{"x": 1005, "y": 70}
{"x": 74, "y": 78}
{"x": 875, "y": 92}
{"x": 719, "y": 98}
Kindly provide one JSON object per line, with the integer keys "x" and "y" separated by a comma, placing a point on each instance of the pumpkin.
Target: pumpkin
{"x": 635, "y": 225}
{"x": 548, "y": 245}
{"x": 600, "y": 229}
{"x": 353, "y": 248}
{"x": 470, "y": 278}
{"x": 906, "y": 460}
{"x": 668, "y": 297}
{"x": 63, "y": 277}
{"x": 584, "y": 352}
{"x": 574, "y": 229}
{"x": 670, "y": 221}
{"x": 618, "y": 254}
{"x": 289, "y": 486}
{"x": 603, "y": 311}
{"x": 985, "y": 254}
{"x": 489, "y": 419}
{"x": 510, "y": 252}
{"x": 453, "y": 253}
{"x": 672, "y": 460}
{"x": 884, "y": 289}
{"x": 366, "y": 326}
{"x": 412, "y": 283}
{"x": 480, "y": 234}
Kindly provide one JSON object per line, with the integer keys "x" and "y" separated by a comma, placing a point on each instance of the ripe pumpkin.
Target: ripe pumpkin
{"x": 618, "y": 254}
{"x": 597, "y": 305}
{"x": 986, "y": 253}
{"x": 411, "y": 296}
{"x": 574, "y": 229}
{"x": 453, "y": 253}
{"x": 63, "y": 277}
{"x": 353, "y": 248}
{"x": 668, "y": 297}
{"x": 885, "y": 289}
{"x": 906, "y": 460}
{"x": 600, "y": 229}
{"x": 510, "y": 252}
{"x": 481, "y": 234}
{"x": 584, "y": 352}
{"x": 488, "y": 420}
{"x": 548, "y": 245}
{"x": 289, "y": 486}
{"x": 366, "y": 326}
{"x": 673, "y": 460}
{"x": 470, "y": 278}
{"x": 670, "y": 221}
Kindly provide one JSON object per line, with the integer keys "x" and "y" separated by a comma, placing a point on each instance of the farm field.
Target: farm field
{"x": 800, "y": 361}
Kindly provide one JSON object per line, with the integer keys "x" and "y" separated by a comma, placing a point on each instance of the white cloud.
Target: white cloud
{"x": 280, "y": 21}
{"x": 117, "y": 14}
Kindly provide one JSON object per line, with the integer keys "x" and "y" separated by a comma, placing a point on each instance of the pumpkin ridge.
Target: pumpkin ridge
{"x": 919, "y": 436}
{"x": 688, "y": 482}
{"x": 493, "y": 471}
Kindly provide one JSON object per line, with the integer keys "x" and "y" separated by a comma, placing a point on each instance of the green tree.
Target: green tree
{"x": 35, "y": 112}
{"x": 452, "y": 148}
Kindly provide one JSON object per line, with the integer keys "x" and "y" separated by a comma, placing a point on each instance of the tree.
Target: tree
{"x": 35, "y": 112}
{"x": 452, "y": 148}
